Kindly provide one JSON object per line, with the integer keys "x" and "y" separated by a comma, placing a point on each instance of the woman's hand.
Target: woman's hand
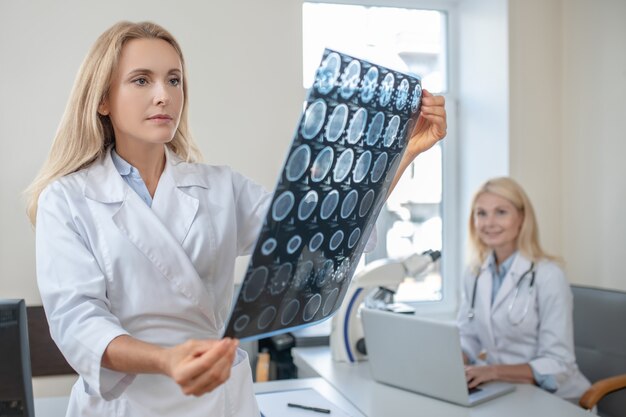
{"x": 430, "y": 128}
{"x": 521, "y": 373}
{"x": 431, "y": 125}
{"x": 476, "y": 375}
{"x": 200, "y": 366}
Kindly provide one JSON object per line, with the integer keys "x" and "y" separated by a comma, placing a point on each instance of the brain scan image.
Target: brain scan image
{"x": 403, "y": 94}
{"x": 344, "y": 154}
{"x": 303, "y": 274}
{"x": 281, "y": 278}
{"x": 327, "y": 73}
{"x": 337, "y": 123}
{"x": 268, "y": 246}
{"x": 362, "y": 166}
{"x": 386, "y": 90}
{"x": 298, "y": 163}
{"x": 375, "y": 129}
{"x": 335, "y": 240}
{"x": 379, "y": 167}
{"x": 307, "y": 205}
{"x": 392, "y": 131}
{"x": 316, "y": 241}
{"x": 329, "y": 204}
{"x": 417, "y": 98}
{"x": 369, "y": 85}
{"x": 350, "y": 79}
{"x": 314, "y": 119}
{"x": 349, "y": 203}
{"x": 357, "y": 125}
{"x": 321, "y": 165}
{"x": 282, "y": 206}
{"x": 343, "y": 165}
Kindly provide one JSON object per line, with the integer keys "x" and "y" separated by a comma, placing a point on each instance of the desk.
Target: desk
{"x": 51, "y": 406}
{"x": 319, "y": 384}
{"x": 373, "y": 399}
{"x": 57, "y": 406}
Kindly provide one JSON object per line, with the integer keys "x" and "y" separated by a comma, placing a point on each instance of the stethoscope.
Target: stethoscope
{"x": 531, "y": 290}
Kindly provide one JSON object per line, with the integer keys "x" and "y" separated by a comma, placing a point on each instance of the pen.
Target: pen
{"x": 306, "y": 407}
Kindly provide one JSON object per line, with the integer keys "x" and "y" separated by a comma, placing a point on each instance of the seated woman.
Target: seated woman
{"x": 515, "y": 319}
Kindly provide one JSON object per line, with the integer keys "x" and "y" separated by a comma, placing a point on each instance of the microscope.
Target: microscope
{"x": 375, "y": 287}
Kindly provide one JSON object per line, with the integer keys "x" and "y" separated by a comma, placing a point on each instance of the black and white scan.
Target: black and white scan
{"x": 343, "y": 158}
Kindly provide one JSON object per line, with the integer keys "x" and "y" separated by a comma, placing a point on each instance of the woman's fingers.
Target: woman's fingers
{"x": 198, "y": 357}
{"x": 214, "y": 376}
{"x": 476, "y": 375}
{"x": 434, "y": 110}
{"x": 212, "y": 368}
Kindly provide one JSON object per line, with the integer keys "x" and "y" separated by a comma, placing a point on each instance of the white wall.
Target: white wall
{"x": 483, "y": 111}
{"x": 536, "y": 111}
{"x": 567, "y": 129}
{"x": 594, "y": 141}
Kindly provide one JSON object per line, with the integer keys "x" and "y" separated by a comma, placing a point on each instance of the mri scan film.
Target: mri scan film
{"x": 344, "y": 155}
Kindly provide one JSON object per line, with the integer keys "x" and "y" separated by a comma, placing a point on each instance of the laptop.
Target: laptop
{"x": 421, "y": 355}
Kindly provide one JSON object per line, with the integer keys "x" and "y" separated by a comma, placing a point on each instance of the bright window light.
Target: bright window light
{"x": 411, "y": 41}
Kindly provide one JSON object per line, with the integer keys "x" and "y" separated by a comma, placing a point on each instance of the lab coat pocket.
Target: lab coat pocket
{"x": 84, "y": 403}
{"x": 239, "y": 391}
{"x": 524, "y": 314}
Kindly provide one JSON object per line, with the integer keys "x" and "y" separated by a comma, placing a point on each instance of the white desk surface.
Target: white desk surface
{"x": 57, "y": 406}
{"x": 374, "y": 399}
{"x": 319, "y": 384}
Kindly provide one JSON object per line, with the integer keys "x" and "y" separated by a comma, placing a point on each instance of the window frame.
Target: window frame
{"x": 451, "y": 225}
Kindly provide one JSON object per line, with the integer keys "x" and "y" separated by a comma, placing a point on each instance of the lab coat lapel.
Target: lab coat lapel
{"x": 148, "y": 231}
{"x": 519, "y": 266}
{"x": 172, "y": 206}
{"x": 483, "y": 296}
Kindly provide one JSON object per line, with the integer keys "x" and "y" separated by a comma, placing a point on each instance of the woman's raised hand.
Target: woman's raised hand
{"x": 431, "y": 125}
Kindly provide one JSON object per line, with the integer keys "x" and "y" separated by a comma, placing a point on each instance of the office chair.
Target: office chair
{"x": 600, "y": 345}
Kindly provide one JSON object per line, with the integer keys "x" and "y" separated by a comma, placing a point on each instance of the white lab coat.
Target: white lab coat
{"x": 545, "y": 337}
{"x": 108, "y": 265}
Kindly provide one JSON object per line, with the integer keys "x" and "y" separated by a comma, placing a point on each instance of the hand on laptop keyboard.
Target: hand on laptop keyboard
{"x": 473, "y": 390}
{"x": 476, "y": 375}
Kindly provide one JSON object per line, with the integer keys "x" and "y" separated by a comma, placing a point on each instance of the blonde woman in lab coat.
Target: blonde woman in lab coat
{"x": 136, "y": 241}
{"x": 516, "y": 316}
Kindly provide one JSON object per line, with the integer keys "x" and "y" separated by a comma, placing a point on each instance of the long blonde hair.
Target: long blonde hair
{"x": 83, "y": 134}
{"x": 528, "y": 237}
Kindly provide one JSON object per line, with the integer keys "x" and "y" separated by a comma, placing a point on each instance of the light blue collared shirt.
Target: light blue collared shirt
{"x": 498, "y": 274}
{"x": 131, "y": 175}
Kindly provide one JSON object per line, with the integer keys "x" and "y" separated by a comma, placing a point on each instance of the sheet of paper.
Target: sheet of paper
{"x": 274, "y": 404}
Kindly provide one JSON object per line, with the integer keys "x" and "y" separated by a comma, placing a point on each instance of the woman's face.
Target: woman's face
{"x": 497, "y": 222}
{"x": 145, "y": 99}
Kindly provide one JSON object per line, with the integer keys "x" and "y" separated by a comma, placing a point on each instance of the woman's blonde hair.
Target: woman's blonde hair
{"x": 528, "y": 237}
{"x": 83, "y": 134}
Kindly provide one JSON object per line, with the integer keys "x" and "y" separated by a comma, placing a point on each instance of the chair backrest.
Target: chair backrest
{"x": 600, "y": 340}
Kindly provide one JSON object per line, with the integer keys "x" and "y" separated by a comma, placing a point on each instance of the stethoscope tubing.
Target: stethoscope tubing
{"x": 531, "y": 287}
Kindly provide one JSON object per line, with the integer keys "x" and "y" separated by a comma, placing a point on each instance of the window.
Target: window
{"x": 410, "y": 40}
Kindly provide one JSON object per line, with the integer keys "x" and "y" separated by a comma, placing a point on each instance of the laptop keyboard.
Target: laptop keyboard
{"x": 474, "y": 390}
